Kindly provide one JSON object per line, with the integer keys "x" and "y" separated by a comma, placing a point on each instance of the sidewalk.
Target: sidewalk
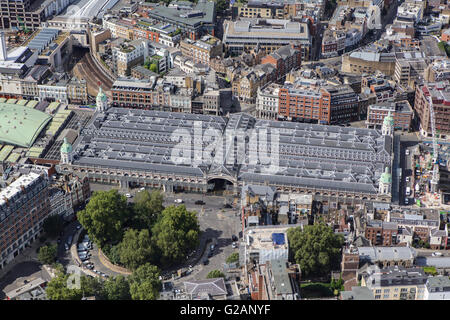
{"x": 27, "y": 255}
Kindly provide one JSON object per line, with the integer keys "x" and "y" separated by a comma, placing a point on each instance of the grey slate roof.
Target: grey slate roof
{"x": 308, "y": 155}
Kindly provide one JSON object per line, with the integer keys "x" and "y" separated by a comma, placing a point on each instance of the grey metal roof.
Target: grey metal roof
{"x": 376, "y": 254}
{"x": 316, "y": 156}
{"x": 214, "y": 287}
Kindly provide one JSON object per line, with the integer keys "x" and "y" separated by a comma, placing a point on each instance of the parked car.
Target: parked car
{"x": 407, "y": 179}
{"x": 199, "y": 202}
{"x": 205, "y": 261}
{"x": 227, "y": 206}
{"x": 66, "y": 246}
{"x": 437, "y": 254}
{"x": 142, "y": 189}
{"x": 407, "y": 152}
{"x": 212, "y": 247}
{"x": 178, "y": 201}
{"x": 406, "y": 201}
{"x": 234, "y": 245}
{"x": 234, "y": 238}
{"x": 128, "y": 195}
{"x": 78, "y": 227}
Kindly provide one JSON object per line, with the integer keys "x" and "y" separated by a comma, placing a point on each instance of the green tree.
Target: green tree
{"x": 113, "y": 253}
{"x": 315, "y": 248}
{"x": 117, "y": 288}
{"x": 53, "y": 225}
{"x": 91, "y": 286}
{"x": 135, "y": 248}
{"x": 234, "y": 257}
{"x": 57, "y": 289}
{"x": 104, "y": 216}
{"x": 145, "y": 283}
{"x": 47, "y": 254}
{"x": 215, "y": 274}
{"x": 221, "y": 5}
{"x": 154, "y": 67}
{"x": 175, "y": 233}
{"x": 147, "y": 207}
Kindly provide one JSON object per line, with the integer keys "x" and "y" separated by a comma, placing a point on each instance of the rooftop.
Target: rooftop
{"x": 21, "y": 125}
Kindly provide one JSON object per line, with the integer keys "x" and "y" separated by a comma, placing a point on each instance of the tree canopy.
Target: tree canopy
{"x": 234, "y": 257}
{"x": 116, "y": 288}
{"x": 147, "y": 207}
{"x": 104, "y": 216}
{"x": 57, "y": 289}
{"x": 47, "y": 254}
{"x": 316, "y": 249}
{"x": 145, "y": 283}
{"x": 135, "y": 248}
{"x": 175, "y": 233}
{"x": 215, "y": 274}
{"x": 53, "y": 225}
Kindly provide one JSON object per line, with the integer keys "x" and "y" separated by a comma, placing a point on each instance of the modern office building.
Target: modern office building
{"x": 194, "y": 20}
{"x": 270, "y": 34}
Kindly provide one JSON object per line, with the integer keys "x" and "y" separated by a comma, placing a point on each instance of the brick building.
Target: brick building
{"x": 439, "y": 92}
{"x": 284, "y": 59}
{"x": 401, "y": 111}
{"x": 24, "y": 205}
{"x": 381, "y": 233}
{"x": 326, "y": 105}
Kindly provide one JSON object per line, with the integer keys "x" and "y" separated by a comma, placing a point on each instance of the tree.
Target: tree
{"x": 113, "y": 253}
{"x": 232, "y": 258}
{"x": 116, "y": 288}
{"x": 135, "y": 248}
{"x": 154, "y": 67}
{"x": 175, "y": 233}
{"x": 221, "y": 5}
{"x": 91, "y": 286}
{"x": 104, "y": 216}
{"x": 315, "y": 248}
{"x": 57, "y": 289}
{"x": 145, "y": 283}
{"x": 47, "y": 254}
{"x": 215, "y": 274}
{"x": 53, "y": 225}
{"x": 147, "y": 207}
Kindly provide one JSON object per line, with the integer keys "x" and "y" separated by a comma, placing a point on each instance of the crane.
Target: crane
{"x": 435, "y": 176}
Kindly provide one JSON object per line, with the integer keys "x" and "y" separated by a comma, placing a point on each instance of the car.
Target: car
{"x": 90, "y": 266}
{"x": 142, "y": 189}
{"x": 407, "y": 152}
{"x": 407, "y": 179}
{"x": 210, "y": 254}
{"x": 227, "y": 206}
{"x": 178, "y": 201}
{"x": 205, "y": 261}
{"x": 84, "y": 258}
{"x": 234, "y": 245}
{"x": 59, "y": 240}
{"x": 437, "y": 254}
{"x": 66, "y": 246}
{"x": 406, "y": 201}
{"x": 234, "y": 238}
{"x": 212, "y": 247}
{"x": 199, "y": 202}
{"x": 128, "y": 195}
{"x": 78, "y": 227}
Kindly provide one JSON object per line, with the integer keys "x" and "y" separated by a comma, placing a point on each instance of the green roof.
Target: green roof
{"x": 5, "y": 152}
{"x": 13, "y": 157}
{"x": 66, "y": 146}
{"x": 31, "y": 103}
{"x": 386, "y": 176}
{"x": 22, "y": 102}
{"x": 21, "y": 125}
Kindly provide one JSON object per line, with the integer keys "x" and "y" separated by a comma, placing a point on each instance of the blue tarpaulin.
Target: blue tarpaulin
{"x": 278, "y": 238}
